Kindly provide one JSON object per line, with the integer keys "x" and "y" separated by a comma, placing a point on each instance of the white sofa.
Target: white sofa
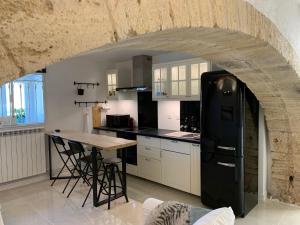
{"x": 222, "y": 216}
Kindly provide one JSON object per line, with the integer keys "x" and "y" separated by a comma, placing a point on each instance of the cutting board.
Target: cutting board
{"x": 96, "y": 115}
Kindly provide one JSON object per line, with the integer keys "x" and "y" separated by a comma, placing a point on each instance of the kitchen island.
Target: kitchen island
{"x": 97, "y": 142}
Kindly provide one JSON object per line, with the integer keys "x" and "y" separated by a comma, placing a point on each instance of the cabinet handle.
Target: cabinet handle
{"x": 174, "y": 141}
{"x": 226, "y": 164}
{"x": 147, "y": 148}
{"x": 226, "y": 148}
{"x": 147, "y": 137}
{"x": 196, "y": 145}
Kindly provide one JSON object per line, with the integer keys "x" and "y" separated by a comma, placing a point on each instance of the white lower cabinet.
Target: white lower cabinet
{"x": 195, "y": 169}
{"x": 176, "y": 170}
{"x": 173, "y": 163}
{"x": 149, "y": 168}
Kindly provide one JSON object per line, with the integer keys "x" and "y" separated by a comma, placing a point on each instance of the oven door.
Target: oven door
{"x": 131, "y": 152}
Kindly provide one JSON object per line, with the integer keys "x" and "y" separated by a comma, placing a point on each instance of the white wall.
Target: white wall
{"x": 169, "y": 115}
{"x": 60, "y": 94}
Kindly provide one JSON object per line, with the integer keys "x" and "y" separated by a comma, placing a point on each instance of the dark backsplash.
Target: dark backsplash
{"x": 147, "y": 110}
{"x": 190, "y": 116}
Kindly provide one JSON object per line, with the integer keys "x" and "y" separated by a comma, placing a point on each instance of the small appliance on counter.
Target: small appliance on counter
{"x": 117, "y": 120}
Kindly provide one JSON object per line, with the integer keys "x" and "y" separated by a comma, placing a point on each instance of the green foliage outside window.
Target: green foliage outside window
{"x": 20, "y": 115}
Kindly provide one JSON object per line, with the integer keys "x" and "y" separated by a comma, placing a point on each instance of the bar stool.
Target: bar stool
{"x": 111, "y": 168}
{"x": 65, "y": 155}
{"x": 85, "y": 172}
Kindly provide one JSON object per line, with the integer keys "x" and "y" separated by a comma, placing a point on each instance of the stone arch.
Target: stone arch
{"x": 233, "y": 34}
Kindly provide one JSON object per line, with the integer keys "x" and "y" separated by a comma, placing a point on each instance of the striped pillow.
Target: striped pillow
{"x": 169, "y": 213}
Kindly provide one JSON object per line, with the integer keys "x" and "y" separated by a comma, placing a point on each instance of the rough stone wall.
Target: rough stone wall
{"x": 233, "y": 34}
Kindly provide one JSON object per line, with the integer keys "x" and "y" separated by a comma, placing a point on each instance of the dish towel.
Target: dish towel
{"x": 87, "y": 123}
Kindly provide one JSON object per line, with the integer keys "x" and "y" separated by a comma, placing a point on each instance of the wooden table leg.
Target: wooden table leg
{"x": 95, "y": 176}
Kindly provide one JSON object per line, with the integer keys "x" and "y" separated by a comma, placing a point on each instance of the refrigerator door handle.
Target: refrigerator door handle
{"x": 226, "y": 148}
{"x": 226, "y": 164}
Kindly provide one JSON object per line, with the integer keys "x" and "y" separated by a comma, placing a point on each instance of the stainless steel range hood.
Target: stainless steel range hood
{"x": 141, "y": 74}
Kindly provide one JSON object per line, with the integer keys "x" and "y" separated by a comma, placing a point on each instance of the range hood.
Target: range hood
{"x": 141, "y": 74}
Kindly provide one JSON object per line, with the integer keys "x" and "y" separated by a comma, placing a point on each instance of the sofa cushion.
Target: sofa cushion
{"x": 222, "y": 216}
{"x": 150, "y": 204}
{"x": 171, "y": 213}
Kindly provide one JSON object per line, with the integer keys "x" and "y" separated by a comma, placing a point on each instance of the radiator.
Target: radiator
{"x": 22, "y": 154}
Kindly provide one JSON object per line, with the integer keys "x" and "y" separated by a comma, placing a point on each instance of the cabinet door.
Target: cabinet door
{"x": 112, "y": 80}
{"x": 160, "y": 82}
{"x": 149, "y": 168}
{"x": 195, "y": 169}
{"x": 178, "y": 81}
{"x": 196, "y": 69}
{"x": 176, "y": 171}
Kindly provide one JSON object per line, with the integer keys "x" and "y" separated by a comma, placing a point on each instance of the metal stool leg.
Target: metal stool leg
{"x": 81, "y": 176}
{"x": 122, "y": 184}
{"x": 72, "y": 175}
{"x": 114, "y": 179}
{"x": 102, "y": 182}
{"x": 58, "y": 175}
{"x": 109, "y": 185}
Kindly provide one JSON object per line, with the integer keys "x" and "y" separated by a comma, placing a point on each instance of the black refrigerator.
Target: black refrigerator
{"x": 229, "y": 143}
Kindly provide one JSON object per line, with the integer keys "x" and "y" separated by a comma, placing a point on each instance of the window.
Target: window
{"x": 112, "y": 83}
{"x": 22, "y": 100}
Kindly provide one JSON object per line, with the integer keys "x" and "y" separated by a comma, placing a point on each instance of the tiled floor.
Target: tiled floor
{"x": 40, "y": 204}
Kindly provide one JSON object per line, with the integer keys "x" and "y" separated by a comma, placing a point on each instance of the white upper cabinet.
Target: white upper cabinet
{"x": 160, "y": 82}
{"x": 180, "y": 80}
{"x": 112, "y": 81}
{"x": 195, "y": 77}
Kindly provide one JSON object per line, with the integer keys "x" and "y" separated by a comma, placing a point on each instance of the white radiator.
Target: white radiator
{"x": 22, "y": 154}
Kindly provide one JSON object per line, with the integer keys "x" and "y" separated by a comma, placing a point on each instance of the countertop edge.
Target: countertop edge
{"x": 155, "y": 135}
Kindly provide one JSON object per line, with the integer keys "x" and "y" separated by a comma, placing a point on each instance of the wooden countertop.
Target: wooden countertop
{"x": 100, "y": 141}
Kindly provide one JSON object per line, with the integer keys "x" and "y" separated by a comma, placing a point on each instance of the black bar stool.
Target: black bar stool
{"x": 85, "y": 172}
{"x": 65, "y": 155}
{"x": 111, "y": 168}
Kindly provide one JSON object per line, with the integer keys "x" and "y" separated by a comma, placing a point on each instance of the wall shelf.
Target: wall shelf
{"x": 86, "y": 83}
{"x": 86, "y": 103}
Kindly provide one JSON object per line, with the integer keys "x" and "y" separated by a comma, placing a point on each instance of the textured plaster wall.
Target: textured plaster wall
{"x": 231, "y": 33}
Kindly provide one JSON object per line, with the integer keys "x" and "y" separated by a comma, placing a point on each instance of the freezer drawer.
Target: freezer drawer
{"x": 221, "y": 180}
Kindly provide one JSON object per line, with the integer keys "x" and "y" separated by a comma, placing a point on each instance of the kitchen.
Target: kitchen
{"x": 67, "y": 72}
{"x": 153, "y": 99}
{"x": 165, "y": 122}
{"x": 161, "y": 154}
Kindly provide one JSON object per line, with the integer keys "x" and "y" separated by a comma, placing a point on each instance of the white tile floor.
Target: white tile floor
{"x": 40, "y": 204}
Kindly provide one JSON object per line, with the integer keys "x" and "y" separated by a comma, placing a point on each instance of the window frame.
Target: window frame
{"x": 12, "y": 115}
